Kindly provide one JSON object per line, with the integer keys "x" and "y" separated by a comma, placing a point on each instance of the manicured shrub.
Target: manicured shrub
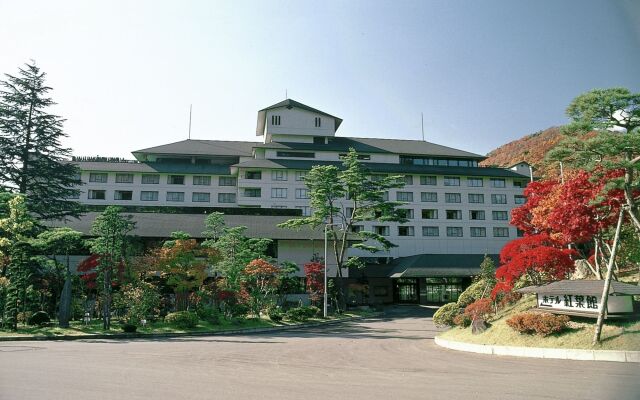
{"x": 302, "y": 313}
{"x": 479, "y": 309}
{"x": 39, "y": 318}
{"x": 129, "y": 328}
{"x": 543, "y": 324}
{"x": 462, "y": 320}
{"x": 182, "y": 319}
{"x": 508, "y": 298}
{"x": 445, "y": 314}
{"x": 473, "y": 293}
{"x": 275, "y": 314}
{"x": 209, "y": 314}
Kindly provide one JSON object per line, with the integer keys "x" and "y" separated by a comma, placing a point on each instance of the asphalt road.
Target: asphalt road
{"x": 386, "y": 358}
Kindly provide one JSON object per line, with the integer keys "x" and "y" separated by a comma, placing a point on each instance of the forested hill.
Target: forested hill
{"x": 532, "y": 149}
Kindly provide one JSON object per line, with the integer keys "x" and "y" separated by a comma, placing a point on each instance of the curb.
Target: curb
{"x": 117, "y": 336}
{"x": 541, "y": 352}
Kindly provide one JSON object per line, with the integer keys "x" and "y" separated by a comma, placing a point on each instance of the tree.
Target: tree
{"x": 32, "y": 159}
{"x": 261, "y": 282}
{"x": 16, "y": 233}
{"x": 314, "y": 272}
{"x": 343, "y": 197}
{"x": 111, "y": 229}
{"x": 62, "y": 241}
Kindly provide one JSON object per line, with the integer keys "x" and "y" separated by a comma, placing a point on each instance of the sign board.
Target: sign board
{"x": 584, "y": 303}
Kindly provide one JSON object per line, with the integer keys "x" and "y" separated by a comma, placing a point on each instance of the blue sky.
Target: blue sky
{"x": 482, "y": 72}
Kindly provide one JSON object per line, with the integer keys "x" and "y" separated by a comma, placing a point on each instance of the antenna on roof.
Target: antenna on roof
{"x": 190, "y": 108}
{"x": 422, "y": 121}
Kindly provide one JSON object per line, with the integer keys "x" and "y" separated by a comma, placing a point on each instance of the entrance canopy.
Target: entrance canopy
{"x": 428, "y": 266}
{"x": 582, "y": 287}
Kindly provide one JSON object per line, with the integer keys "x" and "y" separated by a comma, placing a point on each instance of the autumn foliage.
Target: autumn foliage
{"x": 314, "y": 271}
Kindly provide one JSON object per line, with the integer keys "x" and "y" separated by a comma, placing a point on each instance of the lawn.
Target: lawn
{"x": 616, "y": 335}
{"x": 78, "y": 328}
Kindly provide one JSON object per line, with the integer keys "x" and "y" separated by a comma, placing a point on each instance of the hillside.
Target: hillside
{"x": 532, "y": 149}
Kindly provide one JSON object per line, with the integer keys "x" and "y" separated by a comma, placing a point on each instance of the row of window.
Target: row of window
{"x": 457, "y": 198}
{"x": 151, "y": 195}
{"x": 151, "y": 179}
{"x": 433, "y": 231}
{"x": 276, "y": 120}
{"x": 440, "y": 162}
{"x": 474, "y": 215}
{"x": 276, "y": 175}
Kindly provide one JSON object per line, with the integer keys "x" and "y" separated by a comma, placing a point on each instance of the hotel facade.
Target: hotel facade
{"x": 457, "y": 210}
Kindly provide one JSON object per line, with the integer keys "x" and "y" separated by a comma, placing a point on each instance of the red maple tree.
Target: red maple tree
{"x": 314, "y": 272}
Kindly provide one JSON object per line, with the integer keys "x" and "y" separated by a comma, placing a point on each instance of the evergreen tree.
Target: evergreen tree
{"x": 32, "y": 159}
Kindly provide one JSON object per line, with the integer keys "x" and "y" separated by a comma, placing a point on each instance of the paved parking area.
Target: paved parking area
{"x": 393, "y": 357}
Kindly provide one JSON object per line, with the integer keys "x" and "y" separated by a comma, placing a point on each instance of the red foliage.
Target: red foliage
{"x": 480, "y": 308}
{"x": 89, "y": 266}
{"x": 314, "y": 271}
{"x": 540, "y": 257}
{"x": 261, "y": 269}
{"x": 543, "y": 324}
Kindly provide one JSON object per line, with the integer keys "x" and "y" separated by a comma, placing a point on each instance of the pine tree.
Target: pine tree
{"x": 32, "y": 159}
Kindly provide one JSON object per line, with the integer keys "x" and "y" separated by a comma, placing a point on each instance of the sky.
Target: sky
{"x": 483, "y": 73}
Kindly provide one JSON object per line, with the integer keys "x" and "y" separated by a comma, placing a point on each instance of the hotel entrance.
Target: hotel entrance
{"x": 406, "y": 291}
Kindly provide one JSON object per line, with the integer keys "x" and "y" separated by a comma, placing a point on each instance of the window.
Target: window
{"x": 226, "y": 197}
{"x": 385, "y": 196}
{"x": 150, "y": 179}
{"x": 498, "y": 183}
{"x": 454, "y": 231}
{"x": 275, "y": 120}
{"x": 519, "y": 233}
{"x": 406, "y": 212}
{"x": 428, "y": 180}
{"x": 202, "y": 180}
{"x": 454, "y": 214}
{"x": 500, "y": 215}
{"x": 278, "y": 206}
{"x": 381, "y": 230}
{"x": 98, "y": 177}
{"x": 348, "y": 212}
{"x": 475, "y": 182}
{"x": 317, "y": 122}
{"x": 319, "y": 140}
{"x": 478, "y": 232}
{"x": 279, "y": 175}
{"x": 377, "y": 177}
{"x": 501, "y": 232}
{"x": 359, "y": 156}
{"x": 175, "y": 196}
{"x": 227, "y": 181}
{"x": 96, "y": 195}
{"x": 519, "y": 199}
{"x": 122, "y": 195}
{"x": 148, "y": 196}
{"x": 519, "y": 184}
{"x": 252, "y": 192}
{"x": 430, "y": 231}
{"x": 452, "y": 181}
{"x": 300, "y": 175}
{"x": 429, "y": 196}
{"x": 124, "y": 178}
{"x": 476, "y": 215}
{"x": 417, "y": 160}
{"x": 201, "y": 197}
{"x": 306, "y": 210}
{"x": 357, "y": 228}
{"x": 453, "y": 198}
{"x": 429, "y": 214}
{"x": 175, "y": 179}
{"x": 498, "y": 199}
{"x": 476, "y": 198}
{"x": 253, "y": 175}
{"x": 296, "y": 154}
{"x": 406, "y": 231}
{"x": 302, "y": 193}
{"x": 408, "y": 179}
{"x": 404, "y": 196}
{"x": 278, "y": 193}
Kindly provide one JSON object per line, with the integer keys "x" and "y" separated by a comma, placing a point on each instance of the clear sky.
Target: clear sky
{"x": 482, "y": 72}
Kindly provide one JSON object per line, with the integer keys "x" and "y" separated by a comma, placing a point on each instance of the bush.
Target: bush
{"x": 182, "y": 319}
{"x": 209, "y": 314}
{"x": 462, "y": 320}
{"x": 39, "y": 318}
{"x": 445, "y": 314}
{"x": 24, "y": 317}
{"x": 479, "y": 309}
{"x": 473, "y": 293}
{"x": 542, "y": 324}
{"x": 275, "y": 314}
{"x": 302, "y": 313}
{"x": 129, "y": 328}
{"x": 508, "y": 298}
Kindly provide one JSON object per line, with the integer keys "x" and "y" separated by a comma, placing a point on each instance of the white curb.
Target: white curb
{"x": 540, "y": 352}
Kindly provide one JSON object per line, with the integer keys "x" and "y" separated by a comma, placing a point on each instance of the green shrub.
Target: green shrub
{"x": 39, "y": 318}
{"x": 445, "y": 314}
{"x": 129, "y": 328}
{"x": 462, "y": 320}
{"x": 24, "y": 317}
{"x": 302, "y": 313}
{"x": 543, "y": 324}
{"x": 182, "y": 319}
{"x": 275, "y": 314}
{"x": 473, "y": 293}
{"x": 209, "y": 314}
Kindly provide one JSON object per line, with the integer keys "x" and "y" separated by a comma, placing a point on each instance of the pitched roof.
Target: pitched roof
{"x": 161, "y": 225}
{"x": 383, "y": 168}
{"x": 289, "y": 103}
{"x": 196, "y": 147}
{"x": 375, "y": 145}
{"x": 584, "y": 287}
{"x": 152, "y": 167}
{"x": 427, "y": 266}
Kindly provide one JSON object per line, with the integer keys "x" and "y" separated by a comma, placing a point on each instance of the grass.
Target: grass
{"x": 78, "y": 328}
{"x": 616, "y": 335}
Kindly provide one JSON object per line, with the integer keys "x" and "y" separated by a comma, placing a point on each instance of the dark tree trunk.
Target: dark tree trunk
{"x": 65, "y": 299}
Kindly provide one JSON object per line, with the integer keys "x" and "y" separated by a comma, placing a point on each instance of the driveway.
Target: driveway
{"x": 393, "y": 357}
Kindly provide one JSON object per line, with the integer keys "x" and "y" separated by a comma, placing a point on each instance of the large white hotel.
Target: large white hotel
{"x": 458, "y": 211}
